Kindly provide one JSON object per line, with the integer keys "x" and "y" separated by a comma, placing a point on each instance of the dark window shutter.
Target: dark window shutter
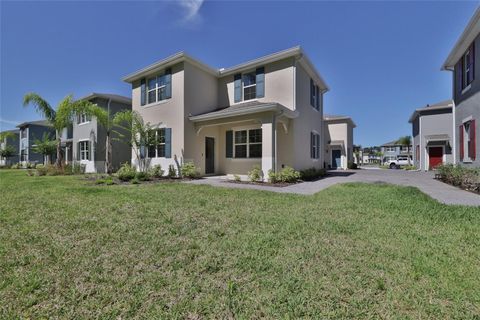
{"x": 318, "y": 98}
{"x": 311, "y": 92}
{"x": 238, "y": 87}
{"x": 472, "y": 148}
{"x": 318, "y": 147}
{"x": 78, "y": 151}
{"x": 260, "y": 81}
{"x": 460, "y": 137}
{"x": 90, "y": 150}
{"x": 229, "y": 144}
{"x": 458, "y": 77}
{"x": 168, "y": 142}
{"x": 472, "y": 63}
{"x": 143, "y": 93}
{"x": 168, "y": 83}
{"x": 311, "y": 145}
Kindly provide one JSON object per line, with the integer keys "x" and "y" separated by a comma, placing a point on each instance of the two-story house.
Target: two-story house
{"x": 29, "y": 132}
{"x": 266, "y": 112}
{"x": 11, "y": 140}
{"x": 391, "y": 150}
{"x": 88, "y": 141}
{"x": 466, "y": 92}
{"x": 432, "y": 131}
{"x": 338, "y": 137}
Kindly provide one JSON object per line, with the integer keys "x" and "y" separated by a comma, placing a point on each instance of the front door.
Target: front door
{"x": 435, "y": 156}
{"x": 209, "y": 155}
{"x": 336, "y": 159}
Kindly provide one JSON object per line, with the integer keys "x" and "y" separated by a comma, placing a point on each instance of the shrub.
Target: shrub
{"x": 109, "y": 181}
{"x": 236, "y": 178}
{"x": 409, "y": 167}
{"x": 16, "y": 166}
{"x": 288, "y": 174}
{"x": 171, "y": 171}
{"x": 465, "y": 178}
{"x": 272, "y": 176}
{"x": 74, "y": 168}
{"x": 126, "y": 172}
{"x": 189, "y": 170}
{"x": 135, "y": 181}
{"x": 312, "y": 174}
{"x": 352, "y": 165}
{"x": 142, "y": 176}
{"x": 255, "y": 174}
{"x": 156, "y": 171}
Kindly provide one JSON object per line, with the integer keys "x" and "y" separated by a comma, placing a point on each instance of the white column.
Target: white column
{"x": 268, "y": 146}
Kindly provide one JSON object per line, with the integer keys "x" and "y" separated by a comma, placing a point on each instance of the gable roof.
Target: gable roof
{"x": 182, "y": 56}
{"x": 439, "y": 106}
{"x": 43, "y": 123}
{"x": 113, "y": 97}
{"x": 338, "y": 118}
{"x": 468, "y": 35}
{"x": 391, "y": 144}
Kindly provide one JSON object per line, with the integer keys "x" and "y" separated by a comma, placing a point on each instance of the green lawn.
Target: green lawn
{"x": 69, "y": 249}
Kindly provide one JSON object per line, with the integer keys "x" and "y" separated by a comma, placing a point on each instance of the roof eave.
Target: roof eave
{"x": 244, "y": 111}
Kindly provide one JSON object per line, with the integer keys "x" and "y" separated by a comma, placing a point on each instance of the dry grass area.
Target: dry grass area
{"x": 72, "y": 250}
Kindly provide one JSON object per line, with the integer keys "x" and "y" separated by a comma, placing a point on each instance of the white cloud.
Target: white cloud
{"x": 9, "y": 121}
{"x": 191, "y": 9}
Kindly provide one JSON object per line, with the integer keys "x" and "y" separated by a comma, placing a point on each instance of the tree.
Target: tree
{"x": 406, "y": 141}
{"x": 6, "y": 151}
{"x": 45, "y": 146}
{"x": 140, "y": 135}
{"x": 60, "y": 118}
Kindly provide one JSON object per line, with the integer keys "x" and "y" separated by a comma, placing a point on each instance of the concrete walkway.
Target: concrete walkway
{"x": 424, "y": 181}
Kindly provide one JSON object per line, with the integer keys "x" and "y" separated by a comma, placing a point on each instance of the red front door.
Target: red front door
{"x": 435, "y": 156}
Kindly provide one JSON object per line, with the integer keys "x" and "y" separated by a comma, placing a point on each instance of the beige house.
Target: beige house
{"x": 338, "y": 137}
{"x": 266, "y": 112}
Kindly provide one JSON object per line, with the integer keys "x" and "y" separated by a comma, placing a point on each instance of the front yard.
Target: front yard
{"x": 69, "y": 249}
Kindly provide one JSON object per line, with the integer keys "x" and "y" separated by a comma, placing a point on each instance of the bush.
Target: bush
{"x": 312, "y": 174}
{"x": 74, "y": 168}
{"x": 171, "y": 171}
{"x": 16, "y": 166}
{"x": 135, "y": 181}
{"x": 410, "y": 167}
{"x": 142, "y": 176}
{"x": 288, "y": 175}
{"x": 352, "y": 165}
{"x": 126, "y": 172}
{"x": 189, "y": 170}
{"x": 272, "y": 176}
{"x": 156, "y": 171}
{"x": 236, "y": 178}
{"x": 459, "y": 176}
{"x": 255, "y": 174}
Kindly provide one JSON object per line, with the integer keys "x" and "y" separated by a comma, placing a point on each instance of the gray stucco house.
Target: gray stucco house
{"x": 87, "y": 143}
{"x": 466, "y": 93}
{"x": 28, "y": 133}
{"x": 432, "y": 131}
{"x": 12, "y": 141}
{"x": 391, "y": 150}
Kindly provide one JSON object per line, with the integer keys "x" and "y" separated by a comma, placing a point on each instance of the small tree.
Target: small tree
{"x": 45, "y": 146}
{"x": 140, "y": 135}
{"x": 7, "y": 152}
{"x": 406, "y": 141}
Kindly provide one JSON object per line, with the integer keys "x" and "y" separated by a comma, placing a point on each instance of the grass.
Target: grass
{"x": 69, "y": 249}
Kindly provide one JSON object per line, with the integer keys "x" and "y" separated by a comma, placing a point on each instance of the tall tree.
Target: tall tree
{"x": 140, "y": 135}
{"x": 60, "y": 118}
{"x": 406, "y": 141}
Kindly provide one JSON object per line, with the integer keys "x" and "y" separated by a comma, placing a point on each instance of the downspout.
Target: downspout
{"x": 454, "y": 137}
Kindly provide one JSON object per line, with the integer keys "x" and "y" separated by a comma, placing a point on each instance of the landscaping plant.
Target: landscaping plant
{"x": 189, "y": 170}
{"x": 126, "y": 172}
{"x": 255, "y": 175}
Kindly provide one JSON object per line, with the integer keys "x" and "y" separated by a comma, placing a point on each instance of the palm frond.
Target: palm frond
{"x": 41, "y": 105}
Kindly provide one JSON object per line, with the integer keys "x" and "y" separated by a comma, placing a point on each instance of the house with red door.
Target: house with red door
{"x": 433, "y": 135}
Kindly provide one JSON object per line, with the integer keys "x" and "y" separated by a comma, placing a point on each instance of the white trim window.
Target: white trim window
{"x": 157, "y": 88}
{"x": 467, "y": 67}
{"x": 83, "y": 118}
{"x": 84, "y": 148}
{"x": 249, "y": 81}
{"x": 158, "y": 150}
{"x": 390, "y": 149}
{"x": 314, "y": 145}
{"x": 248, "y": 143}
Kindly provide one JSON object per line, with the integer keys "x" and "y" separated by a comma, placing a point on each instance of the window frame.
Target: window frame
{"x": 250, "y": 85}
{"x": 467, "y": 67}
{"x": 315, "y": 146}
{"x": 157, "y": 89}
{"x": 83, "y": 118}
{"x": 158, "y": 144}
{"x": 84, "y": 152}
{"x": 247, "y": 143}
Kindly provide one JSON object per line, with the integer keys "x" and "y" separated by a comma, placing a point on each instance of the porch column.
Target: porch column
{"x": 269, "y": 133}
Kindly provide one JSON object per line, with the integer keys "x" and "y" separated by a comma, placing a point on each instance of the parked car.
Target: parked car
{"x": 398, "y": 162}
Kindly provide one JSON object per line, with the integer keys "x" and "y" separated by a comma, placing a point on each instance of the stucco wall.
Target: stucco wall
{"x": 338, "y": 131}
{"x": 433, "y": 124}
{"x": 468, "y": 108}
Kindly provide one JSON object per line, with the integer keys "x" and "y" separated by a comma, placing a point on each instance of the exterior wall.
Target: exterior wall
{"x": 309, "y": 120}
{"x": 13, "y": 142}
{"x": 433, "y": 124}
{"x": 279, "y": 83}
{"x": 468, "y": 108}
{"x": 416, "y": 142}
{"x": 338, "y": 131}
{"x": 82, "y": 132}
{"x": 458, "y": 95}
{"x": 35, "y": 132}
{"x": 168, "y": 113}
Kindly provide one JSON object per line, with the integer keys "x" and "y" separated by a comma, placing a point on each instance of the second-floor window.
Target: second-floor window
{"x": 390, "y": 149}
{"x": 468, "y": 65}
{"x": 83, "y": 118}
{"x": 156, "y": 88}
{"x": 249, "y": 85}
{"x": 23, "y": 134}
{"x": 315, "y": 95}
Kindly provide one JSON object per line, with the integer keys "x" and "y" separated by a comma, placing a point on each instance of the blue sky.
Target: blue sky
{"x": 380, "y": 59}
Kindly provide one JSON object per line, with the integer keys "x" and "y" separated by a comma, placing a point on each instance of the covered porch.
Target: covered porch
{"x": 336, "y": 156}
{"x": 233, "y": 140}
{"x": 437, "y": 151}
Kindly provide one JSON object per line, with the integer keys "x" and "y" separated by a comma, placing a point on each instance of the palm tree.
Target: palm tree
{"x": 45, "y": 146}
{"x": 406, "y": 141}
{"x": 60, "y": 118}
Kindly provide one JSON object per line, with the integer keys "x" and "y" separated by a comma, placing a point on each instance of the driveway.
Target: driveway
{"x": 424, "y": 181}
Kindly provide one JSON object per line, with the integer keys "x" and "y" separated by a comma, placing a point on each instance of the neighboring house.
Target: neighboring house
{"x": 266, "y": 112}
{"x": 87, "y": 143}
{"x": 338, "y": 137}
{"x": 391, "y": 150}
{"x": 14, "y": 143}
{"x": 432, "y": 131}
{"x": 28, "y": 133}
{"x": 462, "y": 60}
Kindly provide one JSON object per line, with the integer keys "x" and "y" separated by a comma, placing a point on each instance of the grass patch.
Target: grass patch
{"x": 72, "y": 250}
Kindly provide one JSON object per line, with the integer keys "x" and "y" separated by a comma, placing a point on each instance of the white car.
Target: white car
{"x": 398, "y": 162}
